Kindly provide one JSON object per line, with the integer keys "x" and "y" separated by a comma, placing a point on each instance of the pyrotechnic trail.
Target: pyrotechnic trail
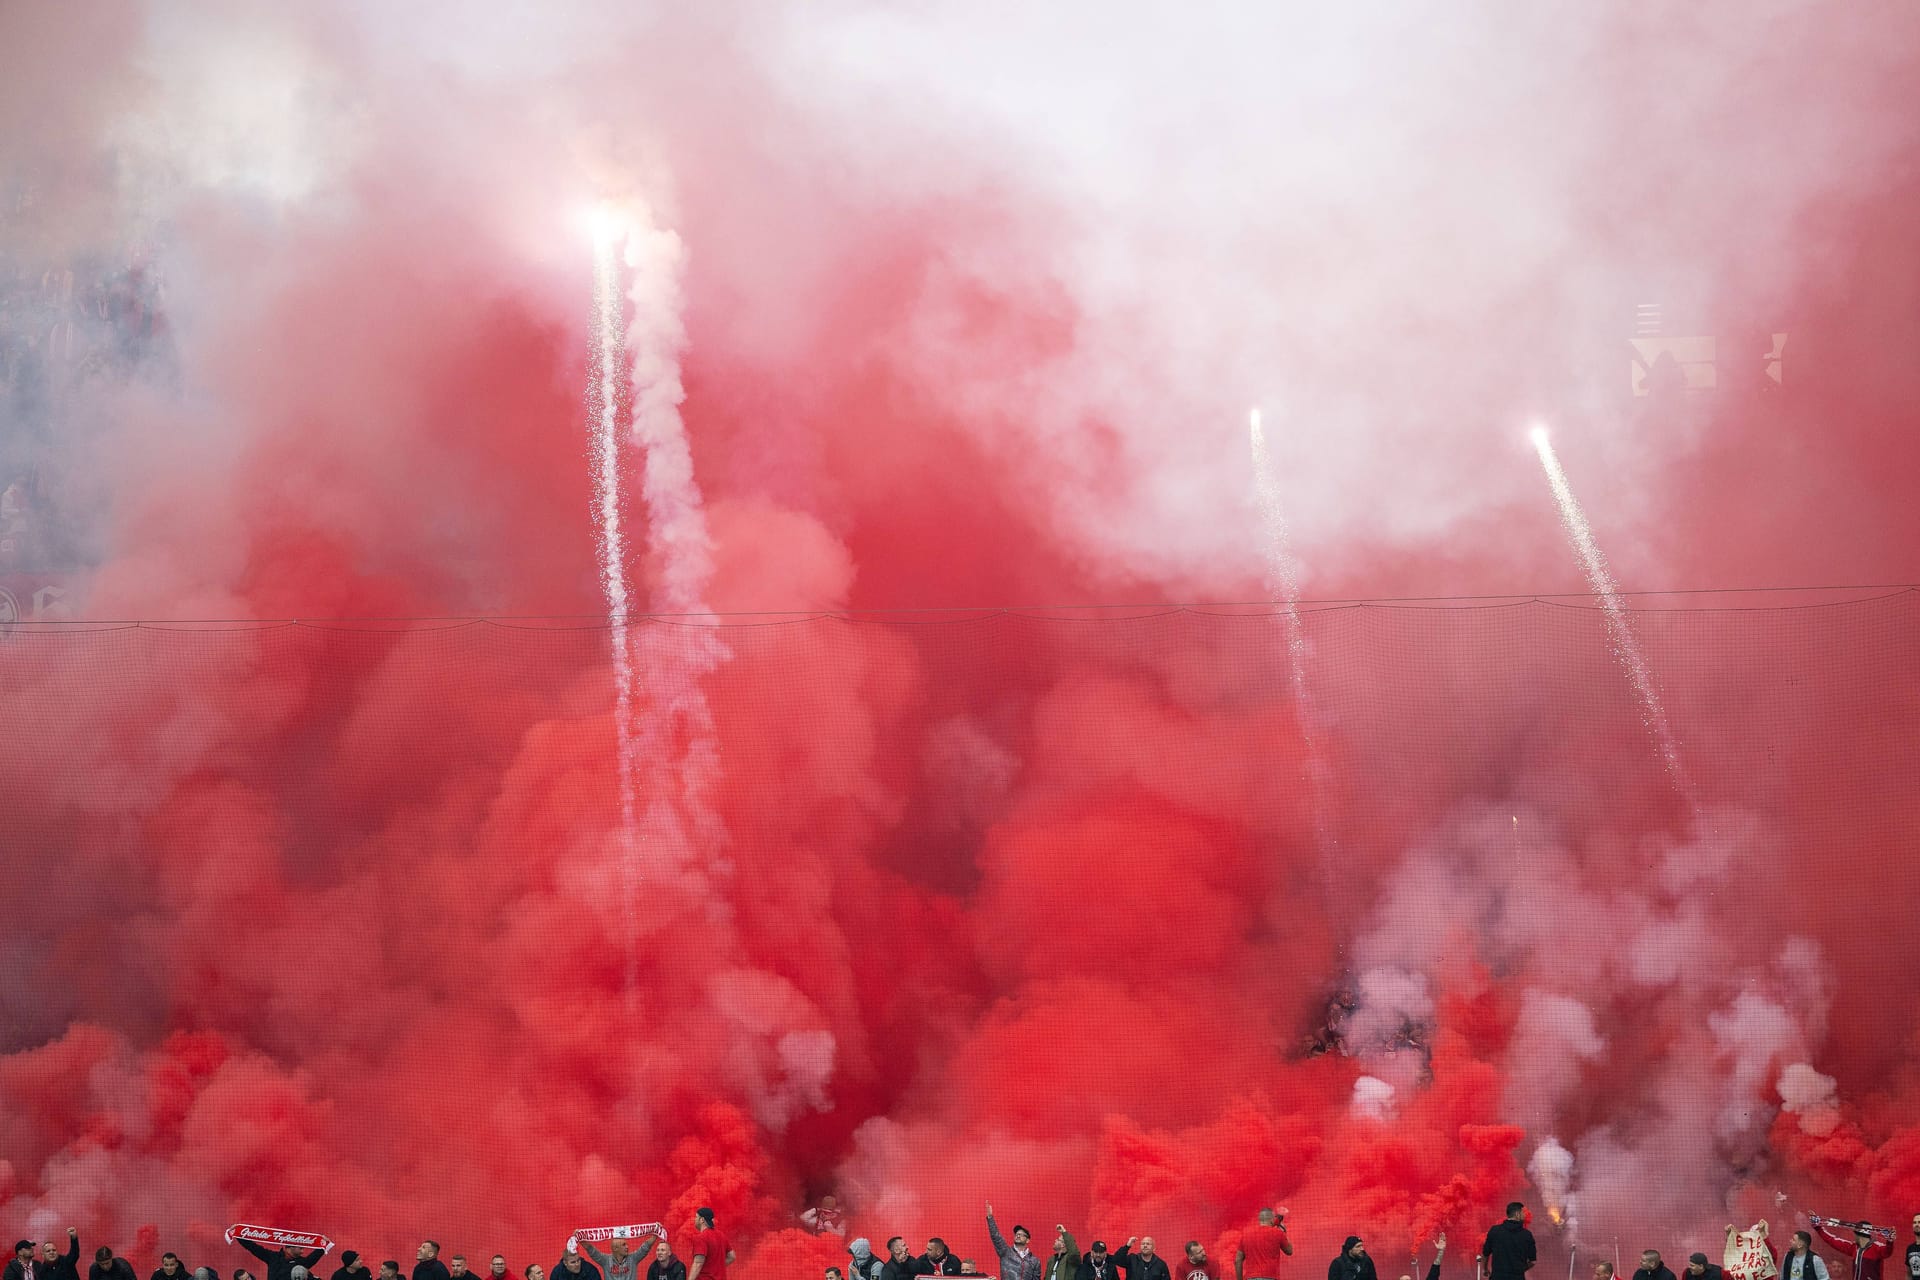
{"x": 1626, "y": 650}
{"x": 606, "y": 368}
{"x": 1285, "y": 583}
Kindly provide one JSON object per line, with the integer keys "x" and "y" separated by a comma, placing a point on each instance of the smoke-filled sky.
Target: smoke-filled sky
{"x": 958, "y": 306}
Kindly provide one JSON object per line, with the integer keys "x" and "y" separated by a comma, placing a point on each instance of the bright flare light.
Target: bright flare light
{"x": 1625, "y": 649}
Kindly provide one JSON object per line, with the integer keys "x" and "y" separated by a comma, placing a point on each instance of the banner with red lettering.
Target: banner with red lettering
{"x": 1747, "y": 1256}
{"x": 274, "y": 1237}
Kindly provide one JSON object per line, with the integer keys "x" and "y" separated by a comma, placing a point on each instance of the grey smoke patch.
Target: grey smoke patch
{"x": 1606, "y": 965}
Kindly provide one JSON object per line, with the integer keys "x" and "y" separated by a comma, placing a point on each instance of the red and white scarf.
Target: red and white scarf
{"x": 277, "y": 1237}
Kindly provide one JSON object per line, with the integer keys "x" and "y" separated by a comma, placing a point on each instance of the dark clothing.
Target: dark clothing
{"x": 1107, "y": 1269}
{"x": 118, "y": 1269}
{"x": 1348, "y": 1267}
{"x": 17, "y": 1272}
{"x": 280, "y": 1265}
{"x": 1139, "y": 1268}
{"x": 64, "y": 1267}
{"x": 906, "y": 1269}
{"x": 1713, "y": 1272}
{"x": 671, "y": 1269}
{"x": 1509, "y": 1251}
{"x": 1913, "y": 1260}
{"x": 947, "y": 1266}
{"x": 362, "y": 1272}
{"x": 183, "y": 1272}
{"x": 1661, "y": 1272}
{"x": 587, "y": 1270}
{"x": 431, "y": 1269}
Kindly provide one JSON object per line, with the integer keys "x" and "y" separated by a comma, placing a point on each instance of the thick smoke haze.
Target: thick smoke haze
{"x": 1092, "y": 914}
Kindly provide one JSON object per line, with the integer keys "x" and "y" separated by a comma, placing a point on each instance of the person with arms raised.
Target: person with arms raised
{"x": 1018, "y": 1261}
{"x": 1144, "y": 1265}
{"x": 1262, "y": 1245}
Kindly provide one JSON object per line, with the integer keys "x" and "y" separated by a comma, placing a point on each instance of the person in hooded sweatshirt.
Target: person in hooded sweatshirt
{"x": 351, "y": 1267}
{"x": 664, "y": 1265}
{"x": 863, "y": 1265}
{"x": 1509, "y": 1251}
{"x": 171, "y": 1268}
{"x": 1353, "y": 1262}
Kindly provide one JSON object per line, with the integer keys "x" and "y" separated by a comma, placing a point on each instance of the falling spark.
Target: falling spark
{"x": 1284, "y": 582}
{"x": 606, "y": 377}
{"x": 1620, "y": 635}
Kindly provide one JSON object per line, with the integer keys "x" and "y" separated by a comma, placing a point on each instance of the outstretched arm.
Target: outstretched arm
{"x": 312, "y": 1259}
{"x": 73, "y": 1247}
{"x": 602, "y": 1259}
{"x": 993, "y": 1234}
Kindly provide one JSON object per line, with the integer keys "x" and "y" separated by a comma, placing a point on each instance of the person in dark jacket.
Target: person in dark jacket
{"x": 938, "y": 1260}
{"x": 281, "y": 1262}
{"x": 1652, "y": 1268}
{"x": 664, "y": 1265}
{"x": 55, "y": 1265}
{"x": 22, "y": 1265}
{"x": 900, "y": 1263}
{"x": 1097, "y": 1264}
{"x": 1144, "y": 1265}
{"x": 1065, "y": 1262}
{"x": 427, "y": 1264}
{"x": 574, "y": 1267}
{"x": 1698, "y": 1268}
{"x": 171, "y": 1268}
{"x": 1509, "y": 1251}
{"x": 107, "y": 1267}
{"x": 1353, "y": 1262}
{"x": 351, "y": 1267}
{"x": 1913, "y": 1251}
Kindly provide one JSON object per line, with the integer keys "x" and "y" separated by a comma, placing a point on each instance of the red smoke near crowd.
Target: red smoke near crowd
{"x": 323, "y": 925}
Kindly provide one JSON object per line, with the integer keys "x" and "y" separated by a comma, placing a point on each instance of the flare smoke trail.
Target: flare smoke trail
{"x": 606, "y": 374}
{"x": 1619, "y": 630}
{"x": 1283, "y": 579}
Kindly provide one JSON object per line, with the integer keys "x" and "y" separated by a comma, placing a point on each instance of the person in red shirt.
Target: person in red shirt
{"x": 712, "y": 1255}
{"x": 1864, "y": 1245}
{"x": 1262, "y": 1246}
{"x": 1197, "y": 1267}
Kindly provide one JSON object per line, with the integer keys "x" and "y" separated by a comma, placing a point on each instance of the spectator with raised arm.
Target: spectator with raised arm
{"x": 281, "y": 1262}
{"x": 1868, "y": 1253}
{"x": 1018, "y": 1261}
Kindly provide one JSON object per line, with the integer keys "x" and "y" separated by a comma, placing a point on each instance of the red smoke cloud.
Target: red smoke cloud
{"x": 323, "y": 925}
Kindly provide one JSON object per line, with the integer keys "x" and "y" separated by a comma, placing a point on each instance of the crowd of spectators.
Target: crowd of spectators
{"x": 1508, "y": 1253}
